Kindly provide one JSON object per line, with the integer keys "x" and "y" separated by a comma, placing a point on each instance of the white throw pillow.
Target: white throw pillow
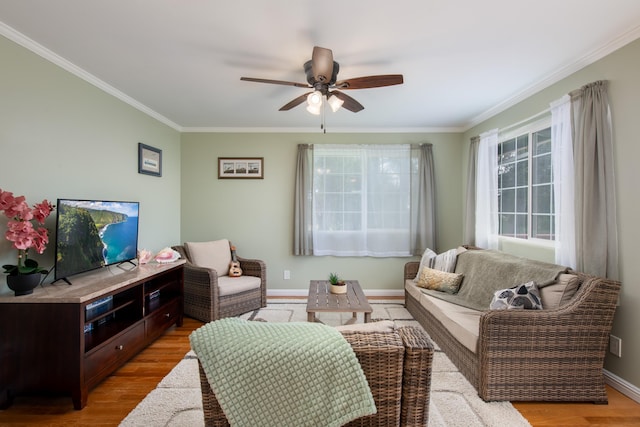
{"x": 215, "y": 255}
{"x": 446, "y": 261}
{"x": 426, "y": 261}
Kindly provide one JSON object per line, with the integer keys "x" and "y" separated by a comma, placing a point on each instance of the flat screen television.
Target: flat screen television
{"x": 91, "y": 234}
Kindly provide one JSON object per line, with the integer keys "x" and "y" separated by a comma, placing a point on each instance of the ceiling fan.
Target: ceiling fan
{"x": 322, "y": 74}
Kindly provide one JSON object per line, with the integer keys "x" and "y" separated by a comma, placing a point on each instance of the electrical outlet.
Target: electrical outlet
{"x": 615, "y": 345}
{"x": 287, "y": 275}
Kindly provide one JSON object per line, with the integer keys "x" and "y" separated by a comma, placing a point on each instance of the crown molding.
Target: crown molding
{"x": 318, "y": 130}
{"x": 588, "y": 59}
{"x": 56, "y": 59}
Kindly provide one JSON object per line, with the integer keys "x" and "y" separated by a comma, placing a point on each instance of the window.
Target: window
{"x": 361, "y": 200}
{"x": 525, "y": 185}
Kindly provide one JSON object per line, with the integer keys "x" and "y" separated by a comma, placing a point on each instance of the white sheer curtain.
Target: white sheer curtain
{"x": 487, "y": 191}
{"x": 361, "y": 203}
{"x": 563, "y": 181}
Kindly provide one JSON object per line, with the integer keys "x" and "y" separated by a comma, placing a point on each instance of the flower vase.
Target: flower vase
{"x": 23, "y": 284}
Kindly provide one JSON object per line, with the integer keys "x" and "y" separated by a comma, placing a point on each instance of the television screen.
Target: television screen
{"x": 94, "y": 233}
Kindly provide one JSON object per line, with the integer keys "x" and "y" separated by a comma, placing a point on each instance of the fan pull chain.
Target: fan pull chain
{"x": 323, "y": 126}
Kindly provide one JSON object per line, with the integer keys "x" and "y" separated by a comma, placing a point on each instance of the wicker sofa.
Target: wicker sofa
{"x": 207, "y": 299}
{"x": 397, "y": 366}
{"x": 553, "y": 354}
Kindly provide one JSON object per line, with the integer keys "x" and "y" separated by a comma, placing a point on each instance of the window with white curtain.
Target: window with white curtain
{"x": 525, "y": 183}
{"x": 362, "y": 200}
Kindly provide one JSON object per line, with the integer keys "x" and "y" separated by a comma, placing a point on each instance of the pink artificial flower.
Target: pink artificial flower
{"x": 42, "y": 210}
{"x": 6, "y": 200}
{"x": 41, "y": 240}
{"x": 21, "y": 233}
{"x": 16, "y": 208}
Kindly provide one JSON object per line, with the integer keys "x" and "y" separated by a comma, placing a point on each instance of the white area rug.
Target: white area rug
{"x": 177, "y": 401}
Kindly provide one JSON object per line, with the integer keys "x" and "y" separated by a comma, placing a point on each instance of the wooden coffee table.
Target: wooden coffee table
{"x": 321, "y": 300}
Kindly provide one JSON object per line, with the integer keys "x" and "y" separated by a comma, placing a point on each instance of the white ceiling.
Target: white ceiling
{"x": 181, "y": 60}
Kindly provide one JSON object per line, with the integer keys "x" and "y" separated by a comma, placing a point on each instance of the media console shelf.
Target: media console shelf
{"x": 66, "y": 339}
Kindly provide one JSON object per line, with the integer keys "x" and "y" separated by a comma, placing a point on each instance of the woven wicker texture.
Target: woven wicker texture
{"x": 202, "y": 298}
{"x": 534, "y": 355}
{"x": 397, "y": 367}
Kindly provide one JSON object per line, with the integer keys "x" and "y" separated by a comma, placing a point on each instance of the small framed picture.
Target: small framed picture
{"x": 241, "y": 167}
{"x": 149, "y": 160}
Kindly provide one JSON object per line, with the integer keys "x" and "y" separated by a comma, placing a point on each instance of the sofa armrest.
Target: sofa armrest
{"x": 561, "y": 350}
{"x": 410, "y": 270}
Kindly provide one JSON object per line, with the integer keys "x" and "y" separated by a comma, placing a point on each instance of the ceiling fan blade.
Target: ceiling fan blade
{"x": 370, "y": 81}
{"x": 294, "y": 103}
{"x": 349, "y": 103}
{"x": 322, "y": 64}
{"x": 275, "y": 82}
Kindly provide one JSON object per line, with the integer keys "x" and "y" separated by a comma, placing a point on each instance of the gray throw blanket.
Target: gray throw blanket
{"x": 487, "y": 271}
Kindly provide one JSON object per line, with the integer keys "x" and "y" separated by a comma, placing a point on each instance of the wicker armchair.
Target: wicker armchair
{"x": 398, "y": 369}
{"x": 202, "y": 296}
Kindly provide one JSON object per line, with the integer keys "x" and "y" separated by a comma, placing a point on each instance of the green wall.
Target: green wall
{"x": 621, "y": 69}
{"x": 63, "y": 137}
{"x": 257, "y": 215}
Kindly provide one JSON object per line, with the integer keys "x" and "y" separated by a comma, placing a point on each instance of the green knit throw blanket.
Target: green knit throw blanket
{"x": 282, "y": 374}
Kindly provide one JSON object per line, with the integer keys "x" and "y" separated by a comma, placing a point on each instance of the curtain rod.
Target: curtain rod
{"x": 528, "y": 119}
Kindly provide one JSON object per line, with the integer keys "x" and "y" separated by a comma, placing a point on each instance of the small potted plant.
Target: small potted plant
{"x": 338, "y": 286}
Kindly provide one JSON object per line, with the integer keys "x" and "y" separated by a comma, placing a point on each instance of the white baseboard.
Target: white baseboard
{"x": 283, "y": 293}
{"x": 624, "y": 387}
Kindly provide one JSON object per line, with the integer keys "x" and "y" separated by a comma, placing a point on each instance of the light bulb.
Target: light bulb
{"x": 335, "y": 103}
{"x": 314, "y": 98}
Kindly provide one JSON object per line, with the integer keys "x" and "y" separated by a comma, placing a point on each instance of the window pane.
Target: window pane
{"x": 507, "y": 154}
{"x": 522, "y": 200}
{"x": 541, "y": 199}
{"x": 507, "y": 225}
{"x": 508, "y": 201}
{"x": 523, "y": 147}
{"x": 522, "y": 173}
{"x": 508, "y": 175}
{"x": 352, "y": 202}
{"x": 542, "y": 142}
{"x": 541, "y": 227}
{"x": 521, "y": 226}
{"x": 542, "y": 169}
{"x": 352, "y": 183}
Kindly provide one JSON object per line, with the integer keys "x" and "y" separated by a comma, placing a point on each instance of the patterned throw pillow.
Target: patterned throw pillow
{"x": 524, "y": 297}
{"x": 439, "y": 280}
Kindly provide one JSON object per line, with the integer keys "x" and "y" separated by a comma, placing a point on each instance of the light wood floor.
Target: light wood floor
{"x": 115, "y": 397}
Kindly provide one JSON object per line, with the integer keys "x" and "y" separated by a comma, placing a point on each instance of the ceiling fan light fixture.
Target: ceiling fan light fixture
{"x": 335, "y": 103}
{"x": 314, "y": 99}
{"x": 314, "y": 109}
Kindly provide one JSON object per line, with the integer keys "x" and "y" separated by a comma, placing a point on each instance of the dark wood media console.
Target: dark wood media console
{"x": 66, "y": 339}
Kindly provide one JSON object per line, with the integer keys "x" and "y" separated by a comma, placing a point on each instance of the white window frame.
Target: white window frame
{"x": 529, "y": 129}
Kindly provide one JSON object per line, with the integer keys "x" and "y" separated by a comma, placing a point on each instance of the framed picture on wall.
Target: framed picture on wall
{"x": 240, "y": 167}
{"x": 149, "y": 160}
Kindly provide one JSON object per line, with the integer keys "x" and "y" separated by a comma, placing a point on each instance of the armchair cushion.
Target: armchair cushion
{"x": 215, "y": 254}
{"x": 233, "y": 285}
